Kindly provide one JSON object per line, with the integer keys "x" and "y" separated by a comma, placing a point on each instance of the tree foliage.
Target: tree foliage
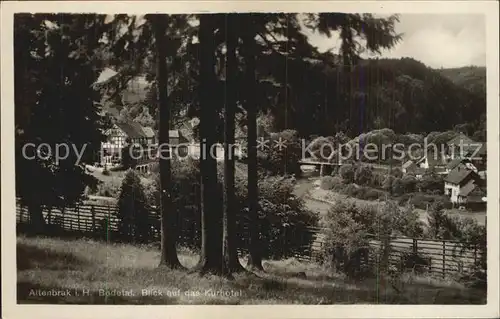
{"x": 55, "y": 65}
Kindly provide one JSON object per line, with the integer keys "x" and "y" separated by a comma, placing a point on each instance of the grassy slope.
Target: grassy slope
{"x": 45, "y": 263}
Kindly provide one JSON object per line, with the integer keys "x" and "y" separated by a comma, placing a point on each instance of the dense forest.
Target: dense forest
{"x": 401, "y": 94}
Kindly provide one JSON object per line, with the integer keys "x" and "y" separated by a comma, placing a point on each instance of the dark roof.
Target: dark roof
{"x": 131, "y": 130}
{"x": 454, "y": 163}
{"x": 458, "y": 175}
{"x": 467, "y": 188}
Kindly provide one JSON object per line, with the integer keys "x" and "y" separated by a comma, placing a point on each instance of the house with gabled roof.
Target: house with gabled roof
{"x": 460, "y": 162}
{"x": 456, "y": 180}
{"x": 472, "y": 195}
{"x": 477, "y": 156}
{"x": 461, "y": 145}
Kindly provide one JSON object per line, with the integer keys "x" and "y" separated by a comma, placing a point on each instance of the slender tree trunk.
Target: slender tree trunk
{"x": 37, "y": 222}
{"x": 168, "y": 216}
{"x": 255, "y": 258}
{"x": 230, "y": 252}
{"x": 211, "y": 259}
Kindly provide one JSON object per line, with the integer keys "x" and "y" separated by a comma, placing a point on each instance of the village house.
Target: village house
{"x": 122, "y": 134}
{"x": 457, "y": 184}
{"x": 472, "y": 195}
{"x": 477, "y": 156}
{"x": 460, "y": 145}
{"x": 463, "y": 163}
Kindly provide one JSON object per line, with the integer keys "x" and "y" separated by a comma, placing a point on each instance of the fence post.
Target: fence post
{"x": 475, "y": 254}
{"x": 49, "y": 216}
{"x": 444, "y": 258}
{"x": 62, "y": 216}
{"x": 20, "y": 213}
{"x": 92, "y": 212}
{"x": 415, "y": 246}
{"x": 78, "y": 215}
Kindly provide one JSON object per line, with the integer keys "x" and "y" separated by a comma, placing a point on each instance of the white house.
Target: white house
{"x": 456, "y": 180}
{"x": 119, "y": 135}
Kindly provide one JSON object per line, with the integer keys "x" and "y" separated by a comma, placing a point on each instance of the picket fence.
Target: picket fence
{"x": 443, "y": 256}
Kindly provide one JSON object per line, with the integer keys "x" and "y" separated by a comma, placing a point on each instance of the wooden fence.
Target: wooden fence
{"x": 441, "y": 256}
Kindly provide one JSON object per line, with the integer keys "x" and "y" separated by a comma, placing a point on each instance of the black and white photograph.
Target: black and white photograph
{"x": 250, "y": 157}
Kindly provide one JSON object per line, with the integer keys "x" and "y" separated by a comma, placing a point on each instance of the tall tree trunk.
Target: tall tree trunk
{"x": 168, "y": 215}
{"x": 211, "y": 215}
{"x": 230, "y": 252}
{"x": 36, "y": 220}
{"x": 255, "y": 249}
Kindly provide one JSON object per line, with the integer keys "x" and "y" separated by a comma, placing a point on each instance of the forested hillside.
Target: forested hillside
{"x": 472, "y": 78}
{"x": 403, "y": 94}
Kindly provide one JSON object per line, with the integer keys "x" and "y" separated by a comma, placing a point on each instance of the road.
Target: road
{"x": 306, "y": 184}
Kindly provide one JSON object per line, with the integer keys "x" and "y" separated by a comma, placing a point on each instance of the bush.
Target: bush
{"x": 347, "y": 173}
{"x": 330, "y": 182}
{"x": 362, "y": 175}
{"x": 397, "y": 172}
{"x": 349, "y": 229}
{"x": 133, "y": 213}
{"x": 431, "y": 184}
{"x": 388, "y": 181}
{"x": 409, "y": 184}
{"x": 378, "y": 179}
{"x": 424, "y": 201}
{"x": 373, "y": 194}
{"x": 282, "y": 161}
{"x": 397, "y": 187}
{"x": 107, "y": 190}
{"x": 284, "y": 220}
{"x": 106, "y": 172}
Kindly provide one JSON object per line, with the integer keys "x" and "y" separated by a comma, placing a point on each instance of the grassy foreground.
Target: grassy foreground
{"x": 90, "y": 272}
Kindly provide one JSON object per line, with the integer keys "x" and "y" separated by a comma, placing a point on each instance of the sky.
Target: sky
{"x": 437, "y": 40}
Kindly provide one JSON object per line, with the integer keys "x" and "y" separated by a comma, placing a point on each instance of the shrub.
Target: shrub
{"x": 397, "y": 187}
{"x": 283, "y": 218}
{"x": 425, "y": 201}
{"x": 362, "y": 175}
{"x": 431, "y": 183}
{"x": 322, "y": 147}
{"x": 106, "y": 172}
{"x": 347, "y": 173}
{"x": 330, "y": 182}
{"x": 286, "y": 160}
{"x": 378, "y": 179}
{"x": 397, "y": 172}
{"x": 107, "y": 190}
{"x": 373, "y": 194}
{"x": 387, "y": 183}
{"x": 408, "y": 183}
{"x": 133, "y": 214}
{"x": 349, "y": 229}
